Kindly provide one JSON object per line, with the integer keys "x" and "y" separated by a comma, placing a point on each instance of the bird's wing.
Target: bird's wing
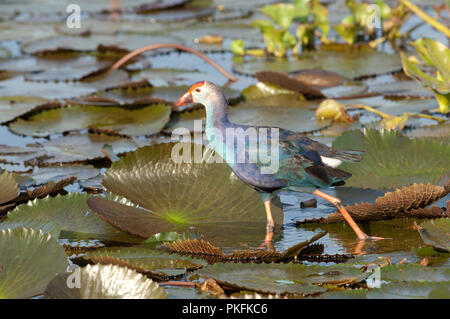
{"x": 324, "y": 151}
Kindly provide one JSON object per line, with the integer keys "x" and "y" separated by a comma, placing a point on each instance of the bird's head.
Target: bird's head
{"x": 203, "y": 92}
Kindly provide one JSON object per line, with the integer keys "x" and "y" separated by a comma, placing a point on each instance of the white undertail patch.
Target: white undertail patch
{"x": 330, "y": 161}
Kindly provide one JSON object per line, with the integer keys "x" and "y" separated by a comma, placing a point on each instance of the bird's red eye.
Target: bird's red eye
{"x": 197, "y": 90}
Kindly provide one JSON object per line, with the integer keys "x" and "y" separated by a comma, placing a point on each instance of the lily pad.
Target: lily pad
{"x": 13, "y": 106}
{"x": 282, "y": 278}
{"x": 411, "y": 290}
{"x": 144, "y": 121}
{"x": 42, "y": 175}
{"x": 61, "y": 69}
{"x": 106, "y": 282}
{"x": 285, "y": 111}
{"x": 91, "y": 43}
{"x": 67, "y": 213}
{"x": 29, "y": 260}
{"x": 411, "y": 272}
{"x": 171, "y": 192}
{"x": 354, "y": 64}
{"x": 436, "y": 233}
{"x": 10, "y": 190}
{"x": 69, "y": 148}
{"x": 392, "y": 160}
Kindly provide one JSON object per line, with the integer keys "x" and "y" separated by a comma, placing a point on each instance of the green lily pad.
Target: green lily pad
{"x": 105, "y": 282}
{"x": 13, "y": 106}
{"x": 42, "y": 175}
{"x": 392, "y": 160}
{"x": 29, "y": 260}
{"x": 10, "y": 190}
{"x": 171, "y": 192}
{"x": 436, "y": 233}
{"x": 67, "y": 213}
{"x": 144, "y": 121}
{"x": 282, "y": 278}
{"x": 354, "y": 64}
{"x": 411, "y": 290}
{"x": 146, "y": 260}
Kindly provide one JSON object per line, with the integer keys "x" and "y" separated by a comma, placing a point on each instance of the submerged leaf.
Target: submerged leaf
{"x": 29, "y": 259}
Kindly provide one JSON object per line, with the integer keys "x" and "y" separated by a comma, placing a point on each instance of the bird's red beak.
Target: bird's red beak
{"x": 185, "y": 99}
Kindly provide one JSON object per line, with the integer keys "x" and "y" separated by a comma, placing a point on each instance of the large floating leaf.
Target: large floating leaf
{"x": 14, "y": 106}
{"x": 144, "y": 121}
{"x": 181, "y": 195}
{"x": 411, "y": 290}
{"x": 291, "y": 113}
{"x": 61, "y": 69}
{"x": 69, "y": 148}
{"x": 353, "y": 64}
{"x": 61, "y": 213}
{"x": 29, "y": 259}
{"x": 411, "y": 272}
{"x": 436, "y": 233}
{"x": 148, "y": 261}
{"x": 42, "y": 175}
{"x": 10, "y": 190}
{"x": 282, "y": 278}
{"x": 105, "y": 282}
{"x": 392, "y": 160}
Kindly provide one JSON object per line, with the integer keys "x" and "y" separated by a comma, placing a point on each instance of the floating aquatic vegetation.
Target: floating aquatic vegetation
{"x": 391, "y": 160}
{"x": 29, "y": 259}
{"x": 105, "y": 282}
{"x": 169, "y": 200}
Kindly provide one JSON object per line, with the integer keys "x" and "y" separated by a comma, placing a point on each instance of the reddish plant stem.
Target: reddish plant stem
{"x": 137, "y": 52}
